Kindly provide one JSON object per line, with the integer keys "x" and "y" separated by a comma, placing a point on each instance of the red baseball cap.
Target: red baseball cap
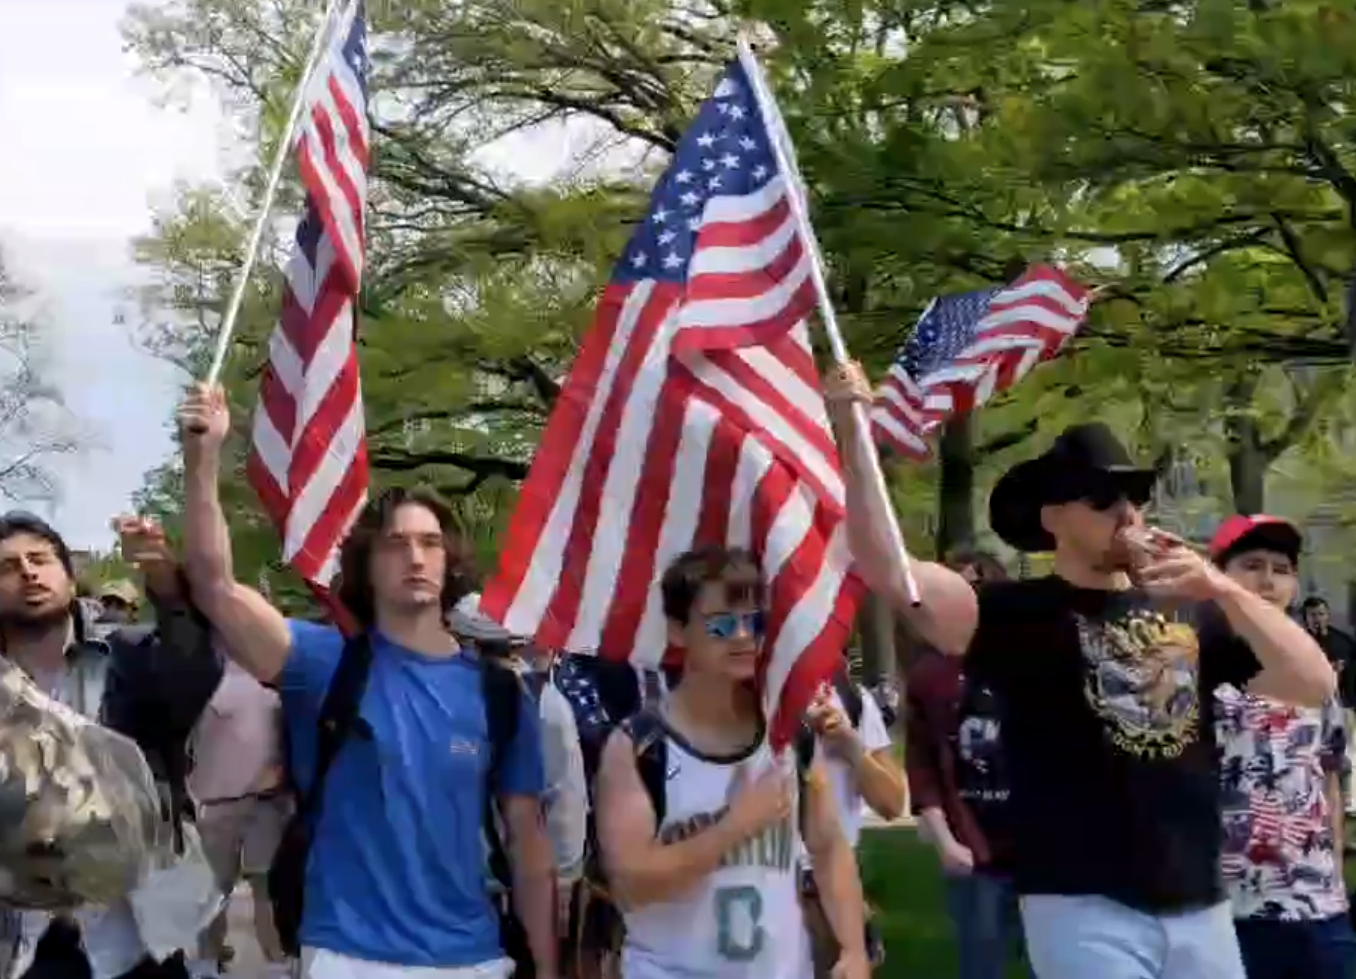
{"x": 1257, "y": 532}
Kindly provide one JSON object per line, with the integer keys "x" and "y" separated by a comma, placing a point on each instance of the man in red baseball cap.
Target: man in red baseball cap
{"x": 1281, "y": 799}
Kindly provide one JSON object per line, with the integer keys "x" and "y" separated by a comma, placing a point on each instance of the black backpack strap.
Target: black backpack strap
{"x": 503, "y": 693}
{"x": 803, "y": 743}
{"x": 849, "y": 694}
{"x": 646, "y": 731}
{"x": 338, "y": 717}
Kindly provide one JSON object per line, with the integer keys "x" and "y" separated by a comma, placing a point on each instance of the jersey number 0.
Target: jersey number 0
{"x": 739, "y": 929}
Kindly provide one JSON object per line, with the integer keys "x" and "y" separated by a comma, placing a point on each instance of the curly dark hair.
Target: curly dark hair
{"x": 355, "y": 554}
{"x": 736, "y": 569}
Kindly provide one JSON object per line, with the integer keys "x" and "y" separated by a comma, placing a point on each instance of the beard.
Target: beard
{"x": 30, "y": 622}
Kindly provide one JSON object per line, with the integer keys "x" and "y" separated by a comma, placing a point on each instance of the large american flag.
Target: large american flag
{"x": 308, "y": 458}
{"x": 969, "y": 346}
{"x": 692, "y": 415}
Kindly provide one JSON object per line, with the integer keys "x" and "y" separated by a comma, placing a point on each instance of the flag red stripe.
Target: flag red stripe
{"x": 713, "y": 286}
{"x": 598, "y": 520}
{"x": 313, "y": 448}
{"x": 551, "y": 464}
{"x": 352, "y": 123}
{"x": 743, "y": 234}
{"x": 643, "y": 528}
{"x": 755, "y": 333}
{"x": 308, "y": 343}
{"x": 564, "y": 606}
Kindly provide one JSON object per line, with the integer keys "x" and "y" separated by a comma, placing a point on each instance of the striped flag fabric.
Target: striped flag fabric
{"x": 693, "y": 415}
{"x": 968, "y": 347}
{"x": 308, "y": 455}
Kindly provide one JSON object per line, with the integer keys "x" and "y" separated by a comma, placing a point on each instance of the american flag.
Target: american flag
{"x": 692, "y": 415}
{"x": 308, "y": 458}
{"x": 970, "y": 346}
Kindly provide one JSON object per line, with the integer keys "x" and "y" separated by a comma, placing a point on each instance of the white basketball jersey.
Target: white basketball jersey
{"x": 744, "y": 920}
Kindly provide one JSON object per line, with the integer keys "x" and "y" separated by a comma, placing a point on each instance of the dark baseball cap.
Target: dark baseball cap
{"x": 1257, "y": 532}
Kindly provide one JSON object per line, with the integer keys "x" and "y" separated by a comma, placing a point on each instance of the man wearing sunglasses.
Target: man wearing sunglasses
{"x": 1106, "y": 700}
{"x": 703, "y": 860}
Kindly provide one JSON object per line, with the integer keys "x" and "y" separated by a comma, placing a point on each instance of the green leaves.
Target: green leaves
{"x": 1197, "y": 155}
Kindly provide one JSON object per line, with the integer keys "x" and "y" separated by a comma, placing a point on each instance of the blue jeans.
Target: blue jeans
{"x": 1097, "y": 938}
{"x": 983, "y": 909}
{"x": 1298, "y": 949}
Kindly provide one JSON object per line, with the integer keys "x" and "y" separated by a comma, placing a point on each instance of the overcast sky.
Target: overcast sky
{"x": 86, "y": 154}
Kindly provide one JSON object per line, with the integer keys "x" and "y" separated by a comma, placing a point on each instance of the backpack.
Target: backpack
{"x": 596, "y": 928}
{"x": 338, "y": 719}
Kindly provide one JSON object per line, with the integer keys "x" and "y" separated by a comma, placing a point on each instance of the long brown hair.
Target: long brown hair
{"x": 355, "y": 554}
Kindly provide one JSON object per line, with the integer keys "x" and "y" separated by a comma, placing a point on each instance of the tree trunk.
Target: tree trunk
{"x": 956, "y": 487}
{"x": 876, "y": 626}
{"x": 1247, "y": 459}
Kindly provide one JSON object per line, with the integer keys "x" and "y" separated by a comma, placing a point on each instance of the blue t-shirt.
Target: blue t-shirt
{"x": 397, "y": 867}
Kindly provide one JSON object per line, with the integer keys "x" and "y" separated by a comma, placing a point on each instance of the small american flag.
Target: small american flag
{"x": 308, "y": 457}
{"x": 693, "y": 415}
{"x": 970, "y": 346}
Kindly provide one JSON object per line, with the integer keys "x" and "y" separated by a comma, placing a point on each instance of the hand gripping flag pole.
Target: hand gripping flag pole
{"x": 785, "y": 155}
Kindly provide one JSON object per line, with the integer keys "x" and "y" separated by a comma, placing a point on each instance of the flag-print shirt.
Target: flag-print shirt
{"x": 1275, "y": 763}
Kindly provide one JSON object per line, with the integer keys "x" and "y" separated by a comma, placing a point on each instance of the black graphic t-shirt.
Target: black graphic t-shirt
{"x": 1106, "y": 707}
{"x": 981, "y": 771}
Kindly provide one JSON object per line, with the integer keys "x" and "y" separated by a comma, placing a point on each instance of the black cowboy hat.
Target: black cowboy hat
{"x": 1086, "y": 462}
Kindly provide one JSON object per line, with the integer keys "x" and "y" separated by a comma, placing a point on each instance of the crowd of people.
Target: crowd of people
{"x": 1134, "y": 768}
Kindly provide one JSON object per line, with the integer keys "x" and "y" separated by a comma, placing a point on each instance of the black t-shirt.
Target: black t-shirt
{"x": 1108, "y": 725}
{"x": 981, "y": 769}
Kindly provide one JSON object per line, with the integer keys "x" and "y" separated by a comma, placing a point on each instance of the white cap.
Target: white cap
{"x": 469, "y": 622}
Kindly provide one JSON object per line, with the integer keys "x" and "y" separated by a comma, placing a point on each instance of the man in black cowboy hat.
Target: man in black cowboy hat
{"x": 1106, "y": 700}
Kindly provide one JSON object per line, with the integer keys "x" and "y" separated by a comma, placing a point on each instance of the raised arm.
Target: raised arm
{"x": 947, "y": 614}
{"x": 645, "y": 870}
{"x": 254, "y": 632}
{"x": 1289, "y": 666}
{"x": 159, "y": 680}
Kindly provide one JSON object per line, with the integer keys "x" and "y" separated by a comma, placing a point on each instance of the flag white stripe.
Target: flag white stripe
{"x": 623, "y": 481}
{"x": 744, "y": 208}
{"x": 327, "y": 363}
{"x": 310, "y": 504}
{"x": 809, "y": 617}
{"x": 754, "y": 257}
{"x": 768, "y": 420}
{"x": 534, "y": 595}
{"x": 904, "y": 436}
{"x": 679, "y": 527}
{"x": 789, "y": 384}
{"x": 272, "y": 450}
{"x": 754, "y": 463}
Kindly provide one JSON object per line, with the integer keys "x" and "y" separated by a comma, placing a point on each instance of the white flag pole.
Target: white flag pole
{"x": 227, "y": 329}
{"x": 784, "y": 153}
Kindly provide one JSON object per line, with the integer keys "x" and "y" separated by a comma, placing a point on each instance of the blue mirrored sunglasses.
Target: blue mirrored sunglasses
{"x": 727, "y": 625}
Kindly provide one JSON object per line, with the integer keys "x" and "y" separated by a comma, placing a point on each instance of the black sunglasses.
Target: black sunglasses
{"x": 1105, "y": 492}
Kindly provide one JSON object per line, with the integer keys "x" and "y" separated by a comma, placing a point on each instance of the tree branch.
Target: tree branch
{"x": 398, "y": 460}
{"x": 1296, "y": 253}
{"x": 1310, "y": 406}
{"x": 1008, "y": 439}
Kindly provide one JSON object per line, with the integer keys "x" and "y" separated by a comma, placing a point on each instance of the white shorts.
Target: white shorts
{"x": 321, "y": 963}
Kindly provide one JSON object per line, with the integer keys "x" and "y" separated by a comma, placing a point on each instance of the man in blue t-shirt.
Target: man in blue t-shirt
{"x": 396, "y": 870}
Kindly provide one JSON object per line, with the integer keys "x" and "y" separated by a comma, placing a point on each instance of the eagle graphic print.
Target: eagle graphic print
{"x": 1142, "y": 681}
